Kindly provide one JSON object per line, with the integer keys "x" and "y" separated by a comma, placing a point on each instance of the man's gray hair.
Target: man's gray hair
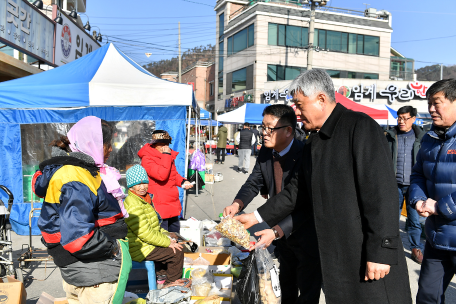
{"x": 312, "y": 82}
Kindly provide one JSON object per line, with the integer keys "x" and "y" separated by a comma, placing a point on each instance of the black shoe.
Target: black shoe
{"x": 245, "y": 171}
{"x": 239, "y": 170}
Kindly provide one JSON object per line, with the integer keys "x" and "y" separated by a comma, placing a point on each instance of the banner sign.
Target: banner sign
{"x": 392, "y": 92}
{"x": 71, "y": 41}
{"x": 25, "y": 27}
{"x": 276, "y": 94}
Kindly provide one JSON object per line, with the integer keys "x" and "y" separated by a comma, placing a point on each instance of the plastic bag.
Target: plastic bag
{"x": 247, "y": 286}
{"x": 202, "y": 286}
{"x": 234, "y": 230}
{"x": 188, "y": 262}
{"x": 270, "y": 292}
{"x": 210, "y": 300}
{"x": 198, "y": 161}
{"x": 201, "y": 262}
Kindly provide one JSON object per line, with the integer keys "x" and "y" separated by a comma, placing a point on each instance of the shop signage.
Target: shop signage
{"x": 276, "y": 94}
{"x": 392, "y": 92}
{"x": 27, "y": 29}
{"x": 71, "y": 41}
{"x": 235, "y": 101}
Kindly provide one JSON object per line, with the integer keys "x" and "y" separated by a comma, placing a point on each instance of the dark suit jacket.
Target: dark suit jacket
{"x": 262, "y": 180}
{"x": 353, "y": 199}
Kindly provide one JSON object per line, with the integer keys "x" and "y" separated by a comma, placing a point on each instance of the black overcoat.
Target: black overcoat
{"x": 350, "y": 188}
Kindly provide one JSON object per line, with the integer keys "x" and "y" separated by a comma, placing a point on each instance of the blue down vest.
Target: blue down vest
{"x": 434, "y": 176}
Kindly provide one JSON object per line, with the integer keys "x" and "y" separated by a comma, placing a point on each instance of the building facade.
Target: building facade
{"x": 263, "y": 44}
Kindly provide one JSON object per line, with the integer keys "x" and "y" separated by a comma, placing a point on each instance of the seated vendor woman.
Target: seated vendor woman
{"x": 146, "y": 239}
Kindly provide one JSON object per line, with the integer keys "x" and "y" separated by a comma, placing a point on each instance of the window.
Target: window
{"x": 221, "y": 47}
{"x": 220, "y": 87}
{"x": 287, "y": 35}
{"x": 333, "y": 73}
{"x": 221, "y": 25}
{"x": 241, "y": 40}
{"x": 280, "y": 72}
{"x": 239, "y": 82}
{"x": 211, "y": 89}
{"x": 370, "y": 76}
{"x": 351, "y": 75}
{"x": 371, "y": 45}
{"x": 347, "y": 43}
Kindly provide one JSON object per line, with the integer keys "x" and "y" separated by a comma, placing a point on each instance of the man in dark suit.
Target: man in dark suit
{"x": 279, "y": 158}
{"x": 349, "y": 189}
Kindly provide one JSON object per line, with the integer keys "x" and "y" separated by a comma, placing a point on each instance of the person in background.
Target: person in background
{"x": 404, "y": 141}
{"x": 257, "y": 138}
{"x": 433, "y": 193}
{"x": 158, "y": 160}
{"x": 246, "y": 138}
{"x": 221, "y": 144}
{"x": 236, "y": 143}
{"x": 80, "y": 221}
{"x": 148, "y": 241}
{"x": 278, "y": 160}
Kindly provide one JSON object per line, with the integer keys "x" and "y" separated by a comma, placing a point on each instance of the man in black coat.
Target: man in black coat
{"x": 347, "y": 184}
{"x": 279, "y": 158}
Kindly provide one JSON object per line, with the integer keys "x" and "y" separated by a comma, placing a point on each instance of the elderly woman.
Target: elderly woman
{"x": 147, "y": 240}
{"x": 81, "y": 220}
{"x": 158, "y": 160}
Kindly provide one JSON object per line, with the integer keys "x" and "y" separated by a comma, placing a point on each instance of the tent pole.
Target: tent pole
{"x": 186, "y": 157}
{"x": 210, "y": 138}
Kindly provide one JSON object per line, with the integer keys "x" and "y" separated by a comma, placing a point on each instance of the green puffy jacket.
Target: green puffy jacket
{"x": 222, "y": 136}
{"x": 144, "y": 232}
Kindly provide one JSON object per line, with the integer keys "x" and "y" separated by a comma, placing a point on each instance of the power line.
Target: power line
{"x": 150, "y": 17}
{"x": 198, "y": 3}
{"x": 425, "y": 39}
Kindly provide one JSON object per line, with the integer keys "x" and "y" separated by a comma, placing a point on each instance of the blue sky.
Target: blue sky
{"x": 421, "y": 31}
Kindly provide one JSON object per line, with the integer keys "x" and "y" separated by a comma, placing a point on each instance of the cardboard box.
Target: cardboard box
{"x": 218, "y": 263}
{"x": 192, "y": 230}
{"x": 209, "y": 178}
{"x": 46, "y": 298}
{"x": 12, "y": 291}
{"x": 221, "y": 277}
{"x": 223, "y": 302}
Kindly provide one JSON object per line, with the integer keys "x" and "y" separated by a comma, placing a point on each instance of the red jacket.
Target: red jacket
{"x": 163, "y": 179}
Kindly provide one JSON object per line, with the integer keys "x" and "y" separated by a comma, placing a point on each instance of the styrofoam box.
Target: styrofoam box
{"x": 193, "y": 231}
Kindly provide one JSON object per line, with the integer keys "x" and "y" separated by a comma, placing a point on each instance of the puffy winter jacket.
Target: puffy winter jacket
{"x": 221, "y": 137}
{"x": 144, "y": 232}
{"x": 163, "y": 180}
{"x": 434, "y": 176}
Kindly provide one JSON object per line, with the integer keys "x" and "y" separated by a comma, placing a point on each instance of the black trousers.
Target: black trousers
{"x": 300, "y": 271}
{"x": 218, "y": 150}
{"x": 437, "y": 270}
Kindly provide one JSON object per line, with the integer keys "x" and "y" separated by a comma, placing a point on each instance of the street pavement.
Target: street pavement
{"x": 42, "y": 276}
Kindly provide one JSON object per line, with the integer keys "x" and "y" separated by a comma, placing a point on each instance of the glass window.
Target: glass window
{"x": 351, "y": 75}
{"x": 352, "y": 43}
{"x": 333, "y": 40}
{"x": 410, "y": 66}
{"x": 344, "y": 42}
{"x": 239, "y": 80}
{"x": 221, "y": 49}
{"x": 305, "y": 36}
{"x": 230, "y": 45}
{"x": 315, "y": 42}
{"x": 272, "y": 34}
{"x": 272, "y": 72}
{"x": 240, "y": 41}
{"x": 221, "y": 24}
{"x": 220, "y": 86}
{"x": 371, "y": 45}
{"x": 280, "y": 72}
{"x": 281, "y": 35}
{"x": 72, "y": 5}
{"x": 322, "y": 39}
{"x": 211, "y": 89}
{"x": 292, "y": 72}
{"x": 333, "y": 73}
{"x": 370, "y": 76}
{"x": 360, "y": 44}
{"x": 251, "y": 34}
{"x": 294, "y": 36}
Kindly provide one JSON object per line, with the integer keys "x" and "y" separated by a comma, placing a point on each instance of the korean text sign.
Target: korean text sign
{"x": 23, "y": 26}
{"x": 71, "y": 42}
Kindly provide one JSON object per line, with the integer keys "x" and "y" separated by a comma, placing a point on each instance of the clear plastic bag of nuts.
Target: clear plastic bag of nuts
{"x": 270, "y": 292}
{"x": 234, "y": 230}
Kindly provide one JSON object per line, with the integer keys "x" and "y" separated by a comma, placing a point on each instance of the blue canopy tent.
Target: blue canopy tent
{"x": 206, "y": 123}
{"x": 250, "y": 112}
{"x": 105, "y": 83}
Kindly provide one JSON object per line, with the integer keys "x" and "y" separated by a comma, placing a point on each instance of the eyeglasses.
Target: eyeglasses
{"x": 270, "y": 130}
{"x": 399, "y": 119}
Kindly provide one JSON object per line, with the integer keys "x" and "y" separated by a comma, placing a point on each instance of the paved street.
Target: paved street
{"x": 41, "y": 277}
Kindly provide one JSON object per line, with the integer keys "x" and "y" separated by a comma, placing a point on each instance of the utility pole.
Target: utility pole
{"x": 180, "y": 57}
{"x": 441, "y": 71}
{"x": 310, "y": 49}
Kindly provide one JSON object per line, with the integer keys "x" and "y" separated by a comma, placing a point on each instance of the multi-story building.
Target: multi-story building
{"x": 261, "y": 44}
{"x": 201, "y": 75}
